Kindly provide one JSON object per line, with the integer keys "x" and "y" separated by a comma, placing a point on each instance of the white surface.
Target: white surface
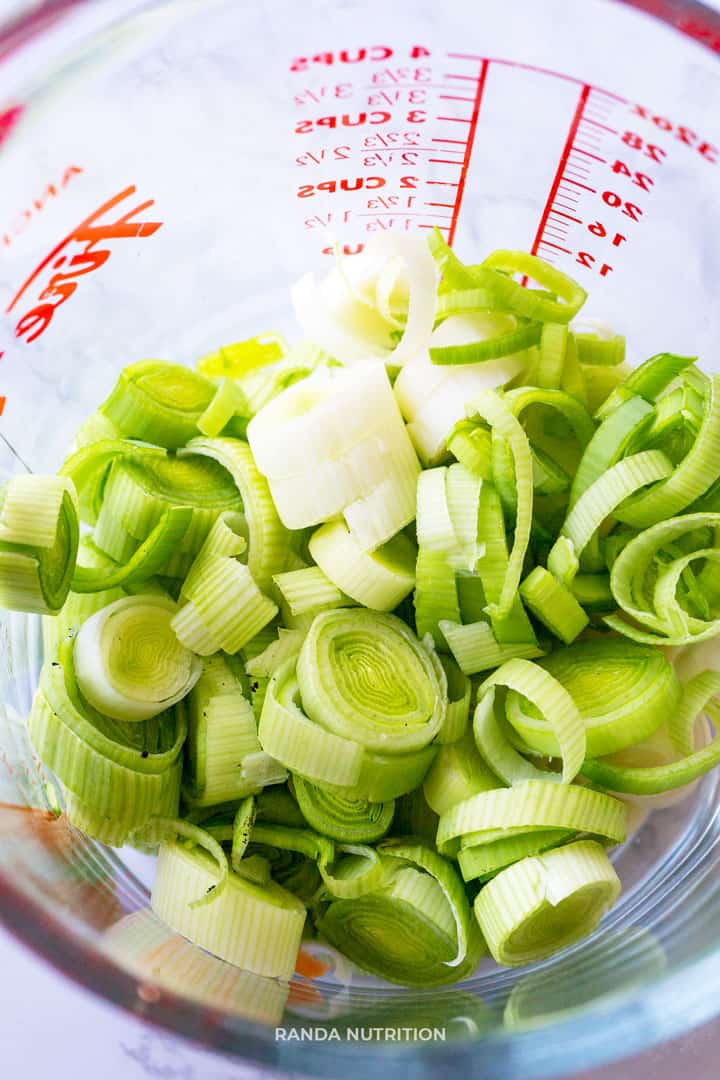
{"x": 51, "y": 1028}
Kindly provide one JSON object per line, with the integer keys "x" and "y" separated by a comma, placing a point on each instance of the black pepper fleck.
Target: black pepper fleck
{"x": 145, "y": 753}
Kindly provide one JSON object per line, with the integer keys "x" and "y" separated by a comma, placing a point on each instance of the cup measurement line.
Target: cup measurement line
{"x": 593, "y": 164}
{"x": 481, "y": 80}
{"x": 574, "y": 125}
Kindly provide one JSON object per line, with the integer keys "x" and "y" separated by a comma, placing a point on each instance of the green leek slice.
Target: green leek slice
{"x": 364, "y": 676}
{"x": 258, "y": 928}
{"x": 158, "y": 402}
{"x": 125, "y": 772}
{"x": 268, "y": 540}
{"x": 39, "y": 537}
{"x": 690, "y": 479}
{"x": 622, "y": 690}
{"x": 457, "y": 773}
{"x": 504, "y": 424}
{"x": 340, "y": 818}
{"x": 406, "y": 931}
{"x": 535, "y": 683}
{"x": 222, "y": 733}
{"x": 544, "y": 903}
{"x": 532, "y": 805}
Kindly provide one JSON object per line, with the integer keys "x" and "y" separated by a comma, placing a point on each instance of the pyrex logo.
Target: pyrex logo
{"x": 82, "y": 251}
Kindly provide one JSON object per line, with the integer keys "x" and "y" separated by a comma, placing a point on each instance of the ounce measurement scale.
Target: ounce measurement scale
{"x": 497, "y": 153}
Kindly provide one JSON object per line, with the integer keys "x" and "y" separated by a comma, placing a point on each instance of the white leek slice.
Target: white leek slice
{"x": 331, "y": 313}
{"x": 433, "y": 397}
{"x": 435, "y": 529}
{"x": 324, "y": 492}
{"x": 129, "y": 663}
{"x": 377, "y": 517}
{"x": 320, "y": 419}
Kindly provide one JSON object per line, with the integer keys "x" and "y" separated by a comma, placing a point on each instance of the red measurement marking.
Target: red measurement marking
{"x": 587, "y": 120}
{"x": 2, "y": 401}
{"x": 38, "y": 205}
{"x": 578, "y": 150}
{"x": 449, "y": 205}
{"x": 570, "y": 217}
{"x": 89, "y": 233}
{"x": 442, "y": 228}
{"x": 400, "y": 213}
{"x": 455, "y": 119}
{"x": 578, "y": 184}
{"x": 443, "y": 183}
{"x": 577, "y": 117}
{"x": 529, "y": 67}
{"x": 454, "y": 97}
{"x": 8, "y": 120}
{"x": 461, "y": 142}
{"x": 481, "y": 80}
{"x": 546, "y": 243}
{"x": 443, "y": 161}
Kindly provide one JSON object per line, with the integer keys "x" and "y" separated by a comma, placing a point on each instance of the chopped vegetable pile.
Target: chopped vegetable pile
{"x": 378, "y": 638}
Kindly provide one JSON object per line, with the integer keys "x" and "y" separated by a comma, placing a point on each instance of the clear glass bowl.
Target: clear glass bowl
{"x": 214, "y": 151}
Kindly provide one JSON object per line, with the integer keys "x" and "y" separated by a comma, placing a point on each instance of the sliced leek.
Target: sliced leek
{"x": 268, "y": 540}
{"x": 158, "y": 402}
{"x": 526, "y": 807}
{"x": 363, "y": 675}
{"x": 343, "y": 819}
{"x": 224, "y": 608}
{"x": 128, "y": 662}
{"x": 623, "y": 692}
{"x": 256, "y": 927}
{"x": 504, "y": 425}
{"x": 457, "y": 773}
{"x": 377, "y": 579}
{"x": 547, "y": 696}
{"x": 238, "y": 630}
{"x": 546, "y": 902}
{"x": 222, "y": 734}
{"x": 39, "y": 537}
{"x": 126, "y": 772}
{"x": 411, "y": 929}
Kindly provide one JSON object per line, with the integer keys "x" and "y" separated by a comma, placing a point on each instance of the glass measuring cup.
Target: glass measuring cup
{"x": 166, "y": 176}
